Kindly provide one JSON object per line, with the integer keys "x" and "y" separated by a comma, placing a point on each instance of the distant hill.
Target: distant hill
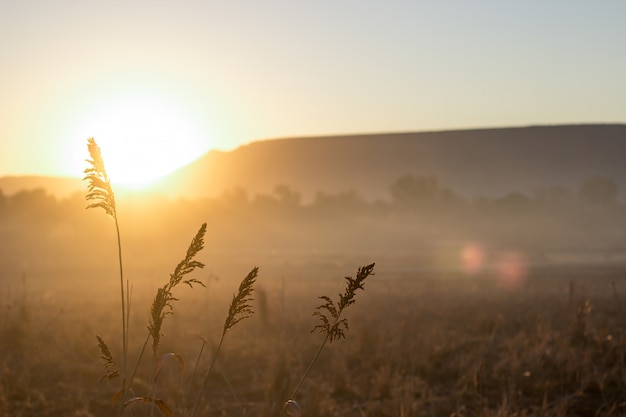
{"x": 470, "y": 162}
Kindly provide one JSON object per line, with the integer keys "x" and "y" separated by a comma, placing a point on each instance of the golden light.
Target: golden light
{"x": 143, "y": 138}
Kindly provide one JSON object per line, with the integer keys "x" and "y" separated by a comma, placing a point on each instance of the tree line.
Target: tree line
{"x": 38, "y": 229}
{"x": 409, "y": 192}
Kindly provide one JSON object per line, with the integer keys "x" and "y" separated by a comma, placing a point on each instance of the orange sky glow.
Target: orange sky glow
{"x": 161, "y": 83}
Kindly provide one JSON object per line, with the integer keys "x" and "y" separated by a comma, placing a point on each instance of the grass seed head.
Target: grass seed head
{"x": 331, "y": 324}
{"x": 162, "y": 303}
{"x": 240, "y": 307}
{"x": 99, "y": 186}
{"x": 110, "y": 371}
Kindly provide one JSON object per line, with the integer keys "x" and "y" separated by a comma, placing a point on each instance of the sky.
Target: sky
{"x": 164, "y": 82}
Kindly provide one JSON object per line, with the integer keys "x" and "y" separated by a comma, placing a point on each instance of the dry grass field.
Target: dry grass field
{"x": 502, "y": 307}
{"x": 420, "y": 343}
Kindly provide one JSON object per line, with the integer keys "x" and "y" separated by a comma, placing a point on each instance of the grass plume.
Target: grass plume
{"x": 162, "y": 303}
{"x": 110, "y": 371}
{"x": 329, "y": 313}
{"x": 101, "y": 192}
{"x": 239, "y": 309}
{"x": 100, "y": 189}
{"x": 332, "y": 325}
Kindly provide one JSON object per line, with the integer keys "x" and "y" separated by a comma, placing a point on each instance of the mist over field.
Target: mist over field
{"x": 422, "y": 225}
{"x": 487, "y": 299}
{"x": 544, "y": 195}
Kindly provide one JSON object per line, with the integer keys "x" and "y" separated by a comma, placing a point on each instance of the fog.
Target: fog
{"x": 422, "y": 226}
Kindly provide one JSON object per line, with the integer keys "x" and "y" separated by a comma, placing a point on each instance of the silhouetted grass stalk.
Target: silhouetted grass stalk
{"x": 333, "y": 329}
{"x": 239, "y": 309}
{"x": 161, "y": 308}
{"x": 162, "y": 304}
{"x": 101, "y": 192}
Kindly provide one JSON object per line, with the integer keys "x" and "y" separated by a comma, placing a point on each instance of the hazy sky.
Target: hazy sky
{"x": 193, "y": 75}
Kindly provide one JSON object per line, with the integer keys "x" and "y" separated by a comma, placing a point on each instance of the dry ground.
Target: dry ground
{"x": 421, "y": 343}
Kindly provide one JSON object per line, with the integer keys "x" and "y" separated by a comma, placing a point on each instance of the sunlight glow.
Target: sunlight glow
{"x": 143, "y": 138}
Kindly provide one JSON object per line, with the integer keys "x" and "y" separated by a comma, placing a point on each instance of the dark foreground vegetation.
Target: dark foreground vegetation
{"x": 420, "y": 344}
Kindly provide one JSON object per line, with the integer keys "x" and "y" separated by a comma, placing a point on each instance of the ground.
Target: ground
{"x": 420, "y": 343}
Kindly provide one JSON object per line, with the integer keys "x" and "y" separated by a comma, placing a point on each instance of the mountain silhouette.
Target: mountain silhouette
{"x": 471, "y": 162}
{"x": 474, "y": 162}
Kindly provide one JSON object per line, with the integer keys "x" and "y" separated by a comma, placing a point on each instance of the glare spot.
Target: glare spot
{"x": 473, "y": 258}
{"x": 511, "y": 270}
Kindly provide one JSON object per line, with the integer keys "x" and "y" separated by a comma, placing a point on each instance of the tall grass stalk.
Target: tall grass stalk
{"x": 161, "y": 308}
{"x": 162, "y": 303}
{"x": 239, "y": 309}
{"x": 332, "y": 325}
{"x": 101, "y": 193}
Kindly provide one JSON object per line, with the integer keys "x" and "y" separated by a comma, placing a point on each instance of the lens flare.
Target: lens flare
{"x": 473, "y": 258}
{"x": 511, "y": 270}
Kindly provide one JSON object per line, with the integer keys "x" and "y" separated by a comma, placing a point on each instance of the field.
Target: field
{"x": 494, "y": 306}
{"x": 420, "y": 343}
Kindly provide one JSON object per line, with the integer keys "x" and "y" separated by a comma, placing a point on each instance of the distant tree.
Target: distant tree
{"x": 287, "y": 196}
{"x": 420, "y": 192}
{"x": 282, "y": 200}
{"x": 410, "y": 191}
{"x": 598, "y": 191}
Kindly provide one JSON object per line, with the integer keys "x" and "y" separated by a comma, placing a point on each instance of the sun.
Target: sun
{"x": 143, "y": 138}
